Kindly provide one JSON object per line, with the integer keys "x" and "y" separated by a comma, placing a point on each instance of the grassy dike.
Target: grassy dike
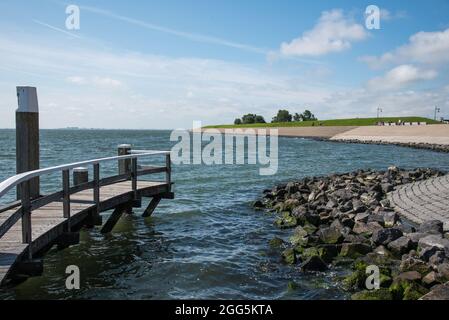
{"x": 329, "y": 123}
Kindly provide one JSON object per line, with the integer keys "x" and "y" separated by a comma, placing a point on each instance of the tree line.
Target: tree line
{"x": 281, "y": 116}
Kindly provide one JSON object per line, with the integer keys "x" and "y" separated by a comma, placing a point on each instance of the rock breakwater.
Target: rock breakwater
{"x": 346, "y": 220}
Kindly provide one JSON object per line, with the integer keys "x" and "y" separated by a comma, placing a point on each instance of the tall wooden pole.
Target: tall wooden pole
{"x": 27, "y": 136}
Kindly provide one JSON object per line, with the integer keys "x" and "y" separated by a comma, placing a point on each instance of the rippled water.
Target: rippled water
{"x": 208, "y": 242}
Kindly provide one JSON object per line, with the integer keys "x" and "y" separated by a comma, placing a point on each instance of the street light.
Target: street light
{"x": 437, "y": 110}
{"x": 379, "y": 110}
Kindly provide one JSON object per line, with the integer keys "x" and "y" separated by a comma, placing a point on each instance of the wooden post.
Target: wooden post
{"x": 124, "y": 166}
{"x": 26, "y": 216}
{"x": 168, "y": 172}
{"x": 80, "y": 176}
{"x": 134, "y": 176}
{"x": 66, "y": 197}
{"x": 27, "y": 136}
{"x": 97, "y": 190}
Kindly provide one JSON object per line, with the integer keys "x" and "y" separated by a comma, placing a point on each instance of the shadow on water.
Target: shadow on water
{"x": 208, "y": 242}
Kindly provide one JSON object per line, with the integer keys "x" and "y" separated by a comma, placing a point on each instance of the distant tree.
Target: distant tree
{"x": 238, "y": 121}
{"x": 308, "y": 116}
{"x": 282, "y": 116}
{"x": 259, "y": 119}
{"x": 298, "y": 117}
{"x": 249, "y": 118}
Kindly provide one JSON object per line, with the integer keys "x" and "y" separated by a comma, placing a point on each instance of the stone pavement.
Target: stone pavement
{"x": 423, "y": 200}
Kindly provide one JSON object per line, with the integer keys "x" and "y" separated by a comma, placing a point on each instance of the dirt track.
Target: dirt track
{"x": 307, "y": 132}
{"x": 433, "y": 134}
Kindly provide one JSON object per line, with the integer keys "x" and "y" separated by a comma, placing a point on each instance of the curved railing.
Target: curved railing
{"x": 25, "y": 205}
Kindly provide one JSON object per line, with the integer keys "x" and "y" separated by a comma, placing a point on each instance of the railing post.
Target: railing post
{"x": 97, "y": 188}
{"x": 168, "y": 170}
{"x": 124, "y": 166}
{"x": 134, "y": 176}
{"x": 66, "y": 196}
{"x": 26, "y": 216}
{"x": 80, "y": 176}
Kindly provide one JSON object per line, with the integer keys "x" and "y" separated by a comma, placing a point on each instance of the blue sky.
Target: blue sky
{"x": 164, "y": 64}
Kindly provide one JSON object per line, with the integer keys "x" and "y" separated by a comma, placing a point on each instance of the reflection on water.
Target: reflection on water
{"x": 208, "y": 242}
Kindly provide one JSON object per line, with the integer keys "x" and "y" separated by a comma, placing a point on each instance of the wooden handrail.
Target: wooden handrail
{"x": 14, "y": 181}
{"x": 27, "y": 205}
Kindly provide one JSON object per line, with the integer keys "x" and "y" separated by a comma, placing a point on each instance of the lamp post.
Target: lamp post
{"x": 437, "y": 110}
{"x": 379, "y": 110}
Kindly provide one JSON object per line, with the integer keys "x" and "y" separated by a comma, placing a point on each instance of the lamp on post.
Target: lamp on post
{"x": 437, "y": 110}
{"x": 379, "y": 110}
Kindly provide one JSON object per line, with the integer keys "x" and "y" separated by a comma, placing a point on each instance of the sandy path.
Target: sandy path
{"x": 307, "y": 132}
{"x": 433, "y": 134}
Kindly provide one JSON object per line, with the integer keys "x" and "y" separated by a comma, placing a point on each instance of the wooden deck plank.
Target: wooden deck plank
{"x": 48, "y": 218}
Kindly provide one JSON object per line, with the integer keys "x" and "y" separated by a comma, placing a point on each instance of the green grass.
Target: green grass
{"x": 335, "y": 122}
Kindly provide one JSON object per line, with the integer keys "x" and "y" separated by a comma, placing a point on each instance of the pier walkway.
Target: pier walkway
{"x": 30, "y": 227}
{"x": 423, "y": 200}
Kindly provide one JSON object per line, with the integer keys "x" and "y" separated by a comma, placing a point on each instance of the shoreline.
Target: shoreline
{"x": 345, "y": 220}
{"x": 428, "y": 137}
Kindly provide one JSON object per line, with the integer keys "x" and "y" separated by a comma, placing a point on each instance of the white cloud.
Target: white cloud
{"x": 186, "y": 88}
{"x": 423, "y": 47}
{"x": 333, "y": 33}
{"x": 76, "y": 80}
{"x": 401, "y": 76}
{"x": 387, "y": 15}
{"x": 104, "y": 82}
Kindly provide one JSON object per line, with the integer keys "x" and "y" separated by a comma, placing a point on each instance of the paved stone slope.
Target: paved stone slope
{"x": 423, "y": 200}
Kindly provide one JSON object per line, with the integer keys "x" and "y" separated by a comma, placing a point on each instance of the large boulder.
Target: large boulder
{"x": 430, "y": 279}
{"x": 385, "y": 236}
{"x": 407, "y": 287}
{"x": 289, "y": 256}
{"x": 410, "y": 276}
{"x": 358, "y": 206}
{"x": 426, "y": 253}
{"x": 354, "y": 250}
{"x": 303, "y": 215}
{"x": 328, "y": 251}
{"x": 390, "y": 219}
{"x": 431, "y": 226}
{"x": 401, "y": 245}
{"x": 438, "y": 258}
{"x": 276, "y": 243}
{"x": 414, "y": 264}
{"x": 379, "y": 294}
{"x": 330, "y": 235}
{"x": 314, "y": 263}
{"x": 443, "y": 271}
{"x": 435, "y": 240}
{"x": 416, "y": 236}
{"x": 286, "y": 221}
{"x": 362, "y": 217}
{"x": 299, "y": 236}
{"x": 440, "y": 292}
{"x": 366, "y": 229}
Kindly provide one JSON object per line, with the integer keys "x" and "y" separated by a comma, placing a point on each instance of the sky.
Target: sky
{"x": 165, "y": 64}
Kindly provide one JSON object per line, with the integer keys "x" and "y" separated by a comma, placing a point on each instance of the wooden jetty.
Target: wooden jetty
{"x": 30, "y": 226}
